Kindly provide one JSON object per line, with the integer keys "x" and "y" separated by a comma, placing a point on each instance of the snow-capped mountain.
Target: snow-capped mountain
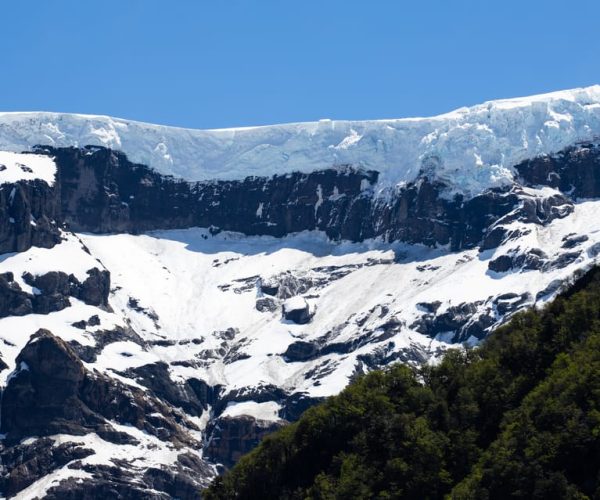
{"x": 168, "y": 296}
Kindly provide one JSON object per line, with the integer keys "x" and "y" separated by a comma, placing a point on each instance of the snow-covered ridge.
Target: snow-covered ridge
{"x": 470, "y": 148}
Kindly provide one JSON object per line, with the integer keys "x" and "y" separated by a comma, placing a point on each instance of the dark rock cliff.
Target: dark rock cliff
{"x": 100, "y": 190}
{"x": 29, "y": 211}
{"x": 575, "y": 171}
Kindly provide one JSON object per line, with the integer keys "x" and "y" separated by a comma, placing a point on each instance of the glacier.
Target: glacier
{"x": 469, "y": 149}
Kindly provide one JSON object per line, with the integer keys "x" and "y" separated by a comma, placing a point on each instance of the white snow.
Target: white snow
{"x": 26, "y": 167}
{"x": 471, "y": 149}
{"x": 192, "y": 286}
{"x": 260, "y": 411}
{"x": 295, "y": 304}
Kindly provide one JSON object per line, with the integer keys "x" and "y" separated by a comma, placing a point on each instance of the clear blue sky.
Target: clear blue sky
{"x": 221, "y": 63}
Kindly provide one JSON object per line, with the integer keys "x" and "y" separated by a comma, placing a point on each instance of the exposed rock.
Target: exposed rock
{"x": 297, "y": 310}
{"x": 295, "y": 404}
{"x": 89, "y": 353}
{"x": 123, "y": 481}
{"x": 573, "y": 240}
{"x": 101, "y": 191}
{"x": 29, "y": 215}
{"x": 41, "y": 397}
{"x": 510, "y": 302}
{"x": 594, "y": 250}
{"x": 563, "y": 260}
{"x": 300, "y": 351}
{"x": 13, "y": 300}
{"x": 232, "y": 437}
{"x": 501, "y": 264}
{"x": 156, "y": 377}
{"x": 207, "y": 395}
{"x": 553, "y": 287}
{"x": 430, "y": 307}
{"x": 459, "y": 322}
{"x": 385, "y": 355}
{"x": 52, "y": 393}
{"x": 26, "y": 463}
{"x": 51, "y": 292}
{"x": 531, "y": 258}
{"x": 95, "y": 288}
{"x": 266, "y": 304}
{"x": 574, "y": 170}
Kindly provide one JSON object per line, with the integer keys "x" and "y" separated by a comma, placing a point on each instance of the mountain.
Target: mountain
{"x": 517, "y": 418}
{"x": 168, "y": 297}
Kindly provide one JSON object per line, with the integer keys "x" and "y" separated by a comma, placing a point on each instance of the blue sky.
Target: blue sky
{"x": 222, "y": 63}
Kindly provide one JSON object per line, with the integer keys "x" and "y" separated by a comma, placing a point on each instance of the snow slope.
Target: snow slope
{"x": 203, "y": 285}
{"x": 470, "y": 148}
{"x": 198, "y": 311}
{"x": 18, "y": 167}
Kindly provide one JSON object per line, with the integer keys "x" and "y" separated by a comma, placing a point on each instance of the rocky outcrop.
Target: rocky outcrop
{"x": 534, "y": 259}
{"x": 51, "y": 392}
{"x": 100, "y": 190}
{"x": 13, "y": 300}
{"x": 232, "y": 437}
{"x": 297, "y": 310}
{"x": 575, "y": 170}
{"x": 51, "y": 292}
{"x": 192, "y": 396}
{"x": 26, "y": 463}
{"x": 29, "y": 216}
{"x": 41, "y": 397}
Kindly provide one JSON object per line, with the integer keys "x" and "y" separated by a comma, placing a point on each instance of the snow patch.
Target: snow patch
{"x": 16, "y": 167}
{"x": 261, "y": 411}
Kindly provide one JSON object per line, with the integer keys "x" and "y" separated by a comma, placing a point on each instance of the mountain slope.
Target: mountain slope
{"x": 193, "y": 317}
{"x": 516, "y": 418}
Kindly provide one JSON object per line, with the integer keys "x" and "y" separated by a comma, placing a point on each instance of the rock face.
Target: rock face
{"x": 232, "y": 437}
{"x": 29, "y": 215}
{"x": 52, "y": 292}
{"x": 575, "y": 170}
{"x": 297, "y": 310}
{"x": 52, "y": 393}
{"x": 41, "y": 398}
{"x": 100, "y": 190}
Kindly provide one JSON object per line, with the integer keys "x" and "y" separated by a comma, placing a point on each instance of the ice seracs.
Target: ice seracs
{"x": 470, "y": 149}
